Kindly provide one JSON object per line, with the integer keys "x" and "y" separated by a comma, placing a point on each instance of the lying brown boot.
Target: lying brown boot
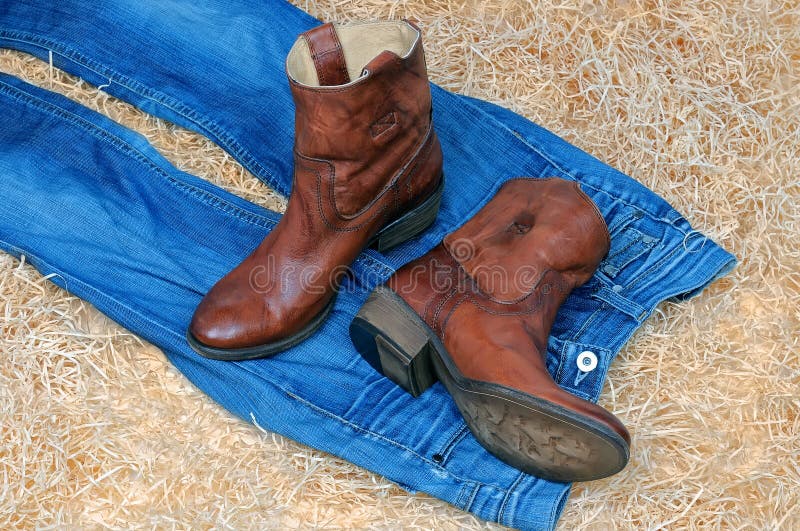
{"x": 476, "y": 312}
{"x": 368, "y": 172}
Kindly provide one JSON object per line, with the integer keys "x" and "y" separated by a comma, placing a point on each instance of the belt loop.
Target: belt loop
{"x": 613, "y": 297}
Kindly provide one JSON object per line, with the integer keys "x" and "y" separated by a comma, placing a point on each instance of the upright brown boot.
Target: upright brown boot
{"x": 476, "y": 312}
{"x": 367, "y": 172}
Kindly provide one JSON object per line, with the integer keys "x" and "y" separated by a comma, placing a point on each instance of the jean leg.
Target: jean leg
{"x": 94, "y": 204}
{"x": 213, "y": 66}
{"x": 179, "y": 60}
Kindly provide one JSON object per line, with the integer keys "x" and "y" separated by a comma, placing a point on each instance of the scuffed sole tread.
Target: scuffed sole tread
{"x": 531, "y": 434}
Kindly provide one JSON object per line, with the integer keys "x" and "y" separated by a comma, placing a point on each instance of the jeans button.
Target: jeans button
{"x": 587, "y": 361}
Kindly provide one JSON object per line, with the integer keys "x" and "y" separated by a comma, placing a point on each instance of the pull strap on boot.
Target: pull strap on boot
{"x": 326, "y": 52}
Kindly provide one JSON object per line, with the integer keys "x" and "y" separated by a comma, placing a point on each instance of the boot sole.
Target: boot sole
{"x": 409, "y": 224}
{"x": 531, "y": 434}
{"x": 403, "y": 228}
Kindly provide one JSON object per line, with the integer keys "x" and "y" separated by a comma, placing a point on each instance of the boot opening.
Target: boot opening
{"x": 360, "y": 44}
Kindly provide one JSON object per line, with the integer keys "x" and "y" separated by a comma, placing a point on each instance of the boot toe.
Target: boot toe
{"x": 218, "y": 327}
{"x": 611, "y": 421}
{"x": 234, "y": 319}
{"x": 225, "y": 318}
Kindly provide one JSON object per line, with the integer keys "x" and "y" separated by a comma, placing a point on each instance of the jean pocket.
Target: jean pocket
{"x": 628, "y": 243}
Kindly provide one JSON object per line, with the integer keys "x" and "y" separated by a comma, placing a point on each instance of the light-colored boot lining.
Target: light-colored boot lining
{"x": 361, "y": 43}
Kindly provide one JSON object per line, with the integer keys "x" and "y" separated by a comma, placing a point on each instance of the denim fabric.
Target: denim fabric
{"x": 95, "y": 205}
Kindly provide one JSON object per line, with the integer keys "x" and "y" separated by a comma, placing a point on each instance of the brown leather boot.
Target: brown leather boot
{"x": 476, "y": 312}
{"x": 368, "y": 171}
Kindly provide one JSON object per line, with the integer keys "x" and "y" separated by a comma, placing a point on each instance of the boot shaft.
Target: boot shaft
{"x": 362, "y": 103}
{"x": 531, "y": 227}
{"x": 516, "y": 260}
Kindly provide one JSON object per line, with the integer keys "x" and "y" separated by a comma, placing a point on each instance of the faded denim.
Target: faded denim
{"x": 94, "y": 204}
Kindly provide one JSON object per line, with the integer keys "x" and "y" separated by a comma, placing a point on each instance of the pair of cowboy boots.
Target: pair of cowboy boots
{"x": 474, "y": 313}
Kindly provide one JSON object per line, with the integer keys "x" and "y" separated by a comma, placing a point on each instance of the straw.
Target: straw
{"x": 698, "y": 100}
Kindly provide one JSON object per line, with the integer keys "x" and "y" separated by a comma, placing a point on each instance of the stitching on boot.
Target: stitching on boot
{"x": 352, "y": 224}
{"x": 383, "y": 124}
{"x": 317, "y": 56}
{"x": 422, "y": 158}
{"x": 407, "y": 170}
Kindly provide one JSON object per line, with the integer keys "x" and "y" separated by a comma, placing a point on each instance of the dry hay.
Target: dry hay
{"x": 696, "y": 99}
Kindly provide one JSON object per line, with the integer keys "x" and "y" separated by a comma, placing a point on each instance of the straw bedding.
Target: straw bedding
{"x": 696, "y": 99}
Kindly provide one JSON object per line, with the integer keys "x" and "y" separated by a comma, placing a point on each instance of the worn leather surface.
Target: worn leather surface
{"x": 364, "y": 153}
{"x": 326, "y": 52}
{"x": 492, "y": 288}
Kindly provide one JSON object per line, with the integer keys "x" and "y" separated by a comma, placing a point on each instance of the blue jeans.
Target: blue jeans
{"x": 94, "y": 204}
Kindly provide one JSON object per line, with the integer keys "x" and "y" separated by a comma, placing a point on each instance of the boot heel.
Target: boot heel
{"x": 391, "y": 338}
{"x": 411, "y": 223}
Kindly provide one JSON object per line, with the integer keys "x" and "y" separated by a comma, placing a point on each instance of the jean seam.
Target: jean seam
{"x": 669, "y": 294}
{"x": 129, "y": 150}
{"x": 631, "y": 243}
{"x": 650, "y": 269}
{"x": 623, "y": 223}
{"x": 571, "y": 174}
{"x": 386, "y": 269}
{"x": 633, "y": 282}
{"x": 89, "y": 288}
{"x": 629, "y": 307}
{"x": 620, "y": 265}
{"x": 507, "y": 497}
{"x": 104, "y": 296}
{"x": 454, "y": 439}
{"x": 476, "y": 488}
{"x": 553, "y": 516}
{"x": 221, "y": 136}
{"x": 374, "y": 435}
{"x": 463, "y": 495}
{"x": 574, "y": 337}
